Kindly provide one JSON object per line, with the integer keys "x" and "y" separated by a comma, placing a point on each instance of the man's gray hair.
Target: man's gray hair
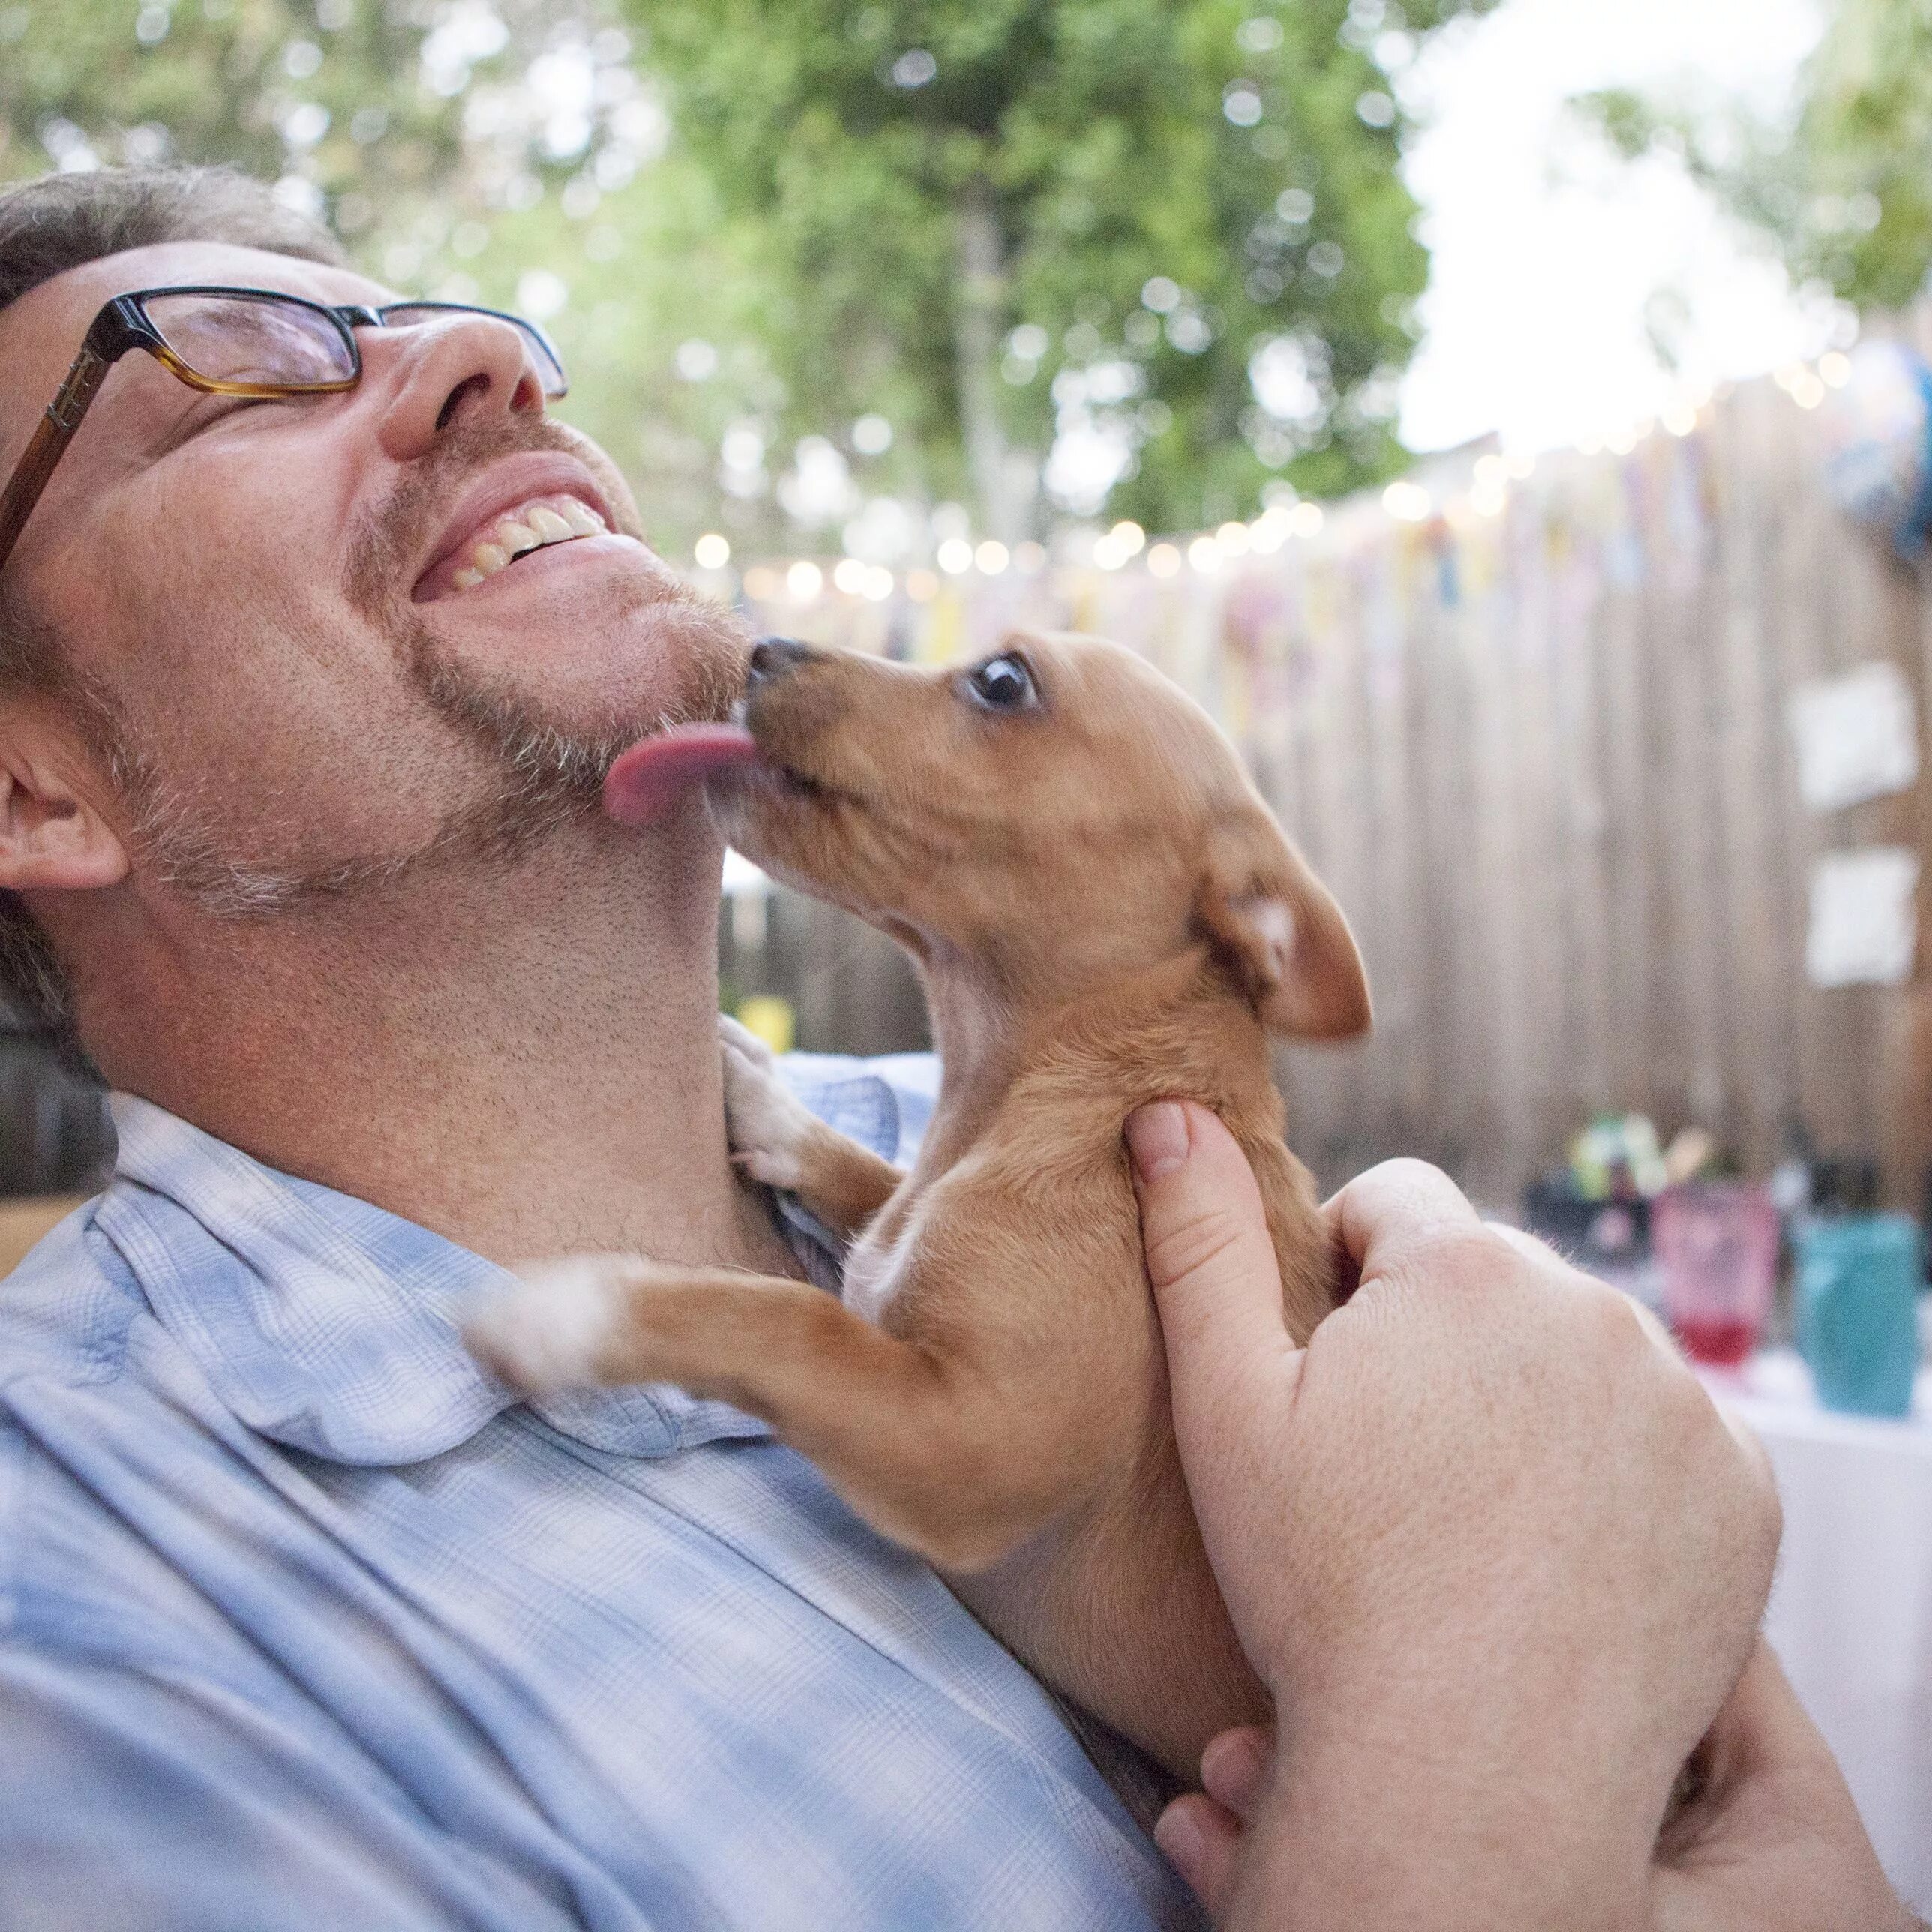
{"x": 48, "y": 226}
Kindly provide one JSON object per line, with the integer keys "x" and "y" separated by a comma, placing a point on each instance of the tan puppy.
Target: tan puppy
{"x": 1103, "y": 913}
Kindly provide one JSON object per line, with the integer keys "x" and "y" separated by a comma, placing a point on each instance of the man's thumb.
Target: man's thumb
{"x": 1209, "y": 1256}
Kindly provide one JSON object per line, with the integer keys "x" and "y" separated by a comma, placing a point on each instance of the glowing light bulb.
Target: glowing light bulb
{"x": 1407, "y": 502}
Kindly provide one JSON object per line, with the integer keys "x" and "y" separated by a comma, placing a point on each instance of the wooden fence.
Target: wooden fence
{"x": 1542, "y": 756}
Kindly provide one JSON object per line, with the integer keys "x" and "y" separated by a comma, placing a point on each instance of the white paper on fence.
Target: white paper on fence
{"x": 1857, "y": 737}
{"x": 1864, "y": 925}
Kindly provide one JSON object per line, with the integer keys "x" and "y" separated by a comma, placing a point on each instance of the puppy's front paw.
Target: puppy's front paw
{"x": 769, "y": 1130}
{"x": 549, "y": 1332}
{"x": 738, "y": 1036}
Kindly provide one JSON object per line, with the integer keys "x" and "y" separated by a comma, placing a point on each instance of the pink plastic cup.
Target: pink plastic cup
{"x": 1716, "y": 1243}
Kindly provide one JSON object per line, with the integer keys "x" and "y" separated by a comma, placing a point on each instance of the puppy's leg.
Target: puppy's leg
{"x": 777, "y": 1140}
{"x": 919, "y": 1445}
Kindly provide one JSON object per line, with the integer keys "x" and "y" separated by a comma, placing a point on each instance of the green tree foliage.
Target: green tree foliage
{"x": 767, "y": 238}
{"x": 1842, "y": 183}
{"x": 995, "y": 220}
{"x": 323, "y": 97}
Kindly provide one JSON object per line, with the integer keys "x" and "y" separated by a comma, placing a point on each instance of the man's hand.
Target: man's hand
{"x": 1773, "y": 1843}
{"x": 1490, "y": 1545}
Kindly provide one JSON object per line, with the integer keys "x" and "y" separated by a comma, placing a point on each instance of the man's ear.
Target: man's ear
{"x": 52, "y": 835}
{"x": 1278, "y": 934}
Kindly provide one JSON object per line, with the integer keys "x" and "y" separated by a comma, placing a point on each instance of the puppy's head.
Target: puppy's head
{"x": 1058, "y": 810}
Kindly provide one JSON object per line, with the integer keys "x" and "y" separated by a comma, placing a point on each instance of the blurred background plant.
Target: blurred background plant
{"x": 1839, "y": 178}
{"x": 832, "y": 274}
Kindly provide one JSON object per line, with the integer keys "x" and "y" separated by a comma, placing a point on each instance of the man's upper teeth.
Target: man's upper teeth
{"x": 543, "y": 521}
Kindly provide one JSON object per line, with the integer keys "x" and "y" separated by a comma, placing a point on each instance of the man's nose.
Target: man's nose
{"x": 774, "y": 657}
{"x": 446, "y": 372}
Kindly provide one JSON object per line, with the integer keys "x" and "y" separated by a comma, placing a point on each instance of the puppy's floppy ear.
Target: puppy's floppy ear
{"x": 1278, "y": 934}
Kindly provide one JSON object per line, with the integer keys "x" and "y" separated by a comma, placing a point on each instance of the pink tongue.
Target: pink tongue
{"x": 648, "y": 779}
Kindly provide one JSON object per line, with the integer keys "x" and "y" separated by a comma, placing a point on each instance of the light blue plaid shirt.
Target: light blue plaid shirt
{"x": 304, "y": 1624}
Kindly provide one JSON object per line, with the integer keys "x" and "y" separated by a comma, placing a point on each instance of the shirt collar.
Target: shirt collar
{"x": 328, "y": 1323}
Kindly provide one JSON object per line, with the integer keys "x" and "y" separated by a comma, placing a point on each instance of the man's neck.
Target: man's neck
{"x": 526, "y": 1062}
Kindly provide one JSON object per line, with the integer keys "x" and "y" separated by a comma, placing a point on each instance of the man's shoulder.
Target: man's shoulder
{"x": 65, "y": 1314}
{"x": 65, "y": 1310}
{"x": 109, "y": 1445}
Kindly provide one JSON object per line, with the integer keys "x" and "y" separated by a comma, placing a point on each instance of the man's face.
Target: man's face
{"x": 263, "y": 599}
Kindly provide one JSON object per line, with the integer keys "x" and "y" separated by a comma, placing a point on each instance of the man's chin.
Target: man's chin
{"x": 592, "y": 683}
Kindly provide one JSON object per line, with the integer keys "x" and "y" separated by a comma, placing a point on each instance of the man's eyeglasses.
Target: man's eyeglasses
{"x": 228, "y": 342}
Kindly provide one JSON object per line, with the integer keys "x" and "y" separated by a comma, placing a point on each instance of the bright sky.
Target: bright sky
{"x": 1545, "y": 255}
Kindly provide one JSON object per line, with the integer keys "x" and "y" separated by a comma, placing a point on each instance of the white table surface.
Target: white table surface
{"x": 1851, "y": 1611}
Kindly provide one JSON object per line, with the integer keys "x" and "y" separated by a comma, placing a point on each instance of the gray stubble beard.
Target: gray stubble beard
{"x": 550, "y": 778}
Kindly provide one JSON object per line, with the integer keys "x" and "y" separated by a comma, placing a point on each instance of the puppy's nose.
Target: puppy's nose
{"x": 773, "y": 657}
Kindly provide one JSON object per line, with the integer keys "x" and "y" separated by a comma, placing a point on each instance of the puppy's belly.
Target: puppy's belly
{"x": 1113, "y": 1601}
{"x": 1118, "y": 1608}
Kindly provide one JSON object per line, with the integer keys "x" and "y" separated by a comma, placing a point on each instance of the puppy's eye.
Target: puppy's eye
{"x": 1003, "y": 684}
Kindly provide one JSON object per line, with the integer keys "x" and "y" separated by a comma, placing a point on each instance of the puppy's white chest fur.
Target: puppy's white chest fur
{"x": 874, "y": 1272}
{"x": 885, "y": 1260}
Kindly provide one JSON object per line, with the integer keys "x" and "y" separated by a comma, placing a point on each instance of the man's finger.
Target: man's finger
{"x": 1235, "y": 1768}
{"x": 1201, "y": 1840}
{"x": 1763, "y": 1725}
{"x": 1762, "y": 1733}
{"x": 1395, "y": 1207}
{"x": 1212, "y": 1264}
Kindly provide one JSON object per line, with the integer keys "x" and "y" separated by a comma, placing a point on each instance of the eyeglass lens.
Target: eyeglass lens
{"x": 238, "y": 339}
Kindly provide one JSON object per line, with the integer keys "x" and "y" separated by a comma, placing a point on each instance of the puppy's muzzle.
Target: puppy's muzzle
{"x": 774, "y": 658}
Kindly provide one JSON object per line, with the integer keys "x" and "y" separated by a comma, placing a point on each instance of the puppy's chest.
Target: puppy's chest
{"x": 975, "y": 1228}
{"x": 878, "y": 1263}
{"x": 907, "y": 1237}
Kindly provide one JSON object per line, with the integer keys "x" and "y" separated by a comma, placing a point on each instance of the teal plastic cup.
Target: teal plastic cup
{"x": 1857, "y": 1289}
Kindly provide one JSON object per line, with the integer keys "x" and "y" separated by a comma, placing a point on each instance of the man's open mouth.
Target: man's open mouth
{"x": 521, "y": 506}
{"x": 539, "y": 524}
{"x": 531, "y": 527}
